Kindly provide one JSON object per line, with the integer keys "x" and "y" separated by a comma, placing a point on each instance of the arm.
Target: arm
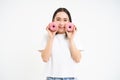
{"x": 75, "y": 53}
{"x": 46, "y": 53}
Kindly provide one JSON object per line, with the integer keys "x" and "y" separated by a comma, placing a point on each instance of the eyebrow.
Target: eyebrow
{"x": 63, "y": 18}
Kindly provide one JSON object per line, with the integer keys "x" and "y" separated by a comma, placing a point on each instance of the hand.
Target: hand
{"x": 51, "y": 33}
{"x": 70, "y": 34}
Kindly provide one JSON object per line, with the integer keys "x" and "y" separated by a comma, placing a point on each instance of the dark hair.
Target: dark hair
{"x": 62, "y": 10}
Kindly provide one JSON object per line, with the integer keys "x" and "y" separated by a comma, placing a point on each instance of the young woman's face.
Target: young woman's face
{"x": 61, "y": 19}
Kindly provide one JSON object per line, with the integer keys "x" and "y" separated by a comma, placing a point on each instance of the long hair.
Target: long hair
{"x": 62, "y": 10}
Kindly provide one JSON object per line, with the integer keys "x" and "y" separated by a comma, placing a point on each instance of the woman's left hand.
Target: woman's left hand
{"x": 70, "y": 35}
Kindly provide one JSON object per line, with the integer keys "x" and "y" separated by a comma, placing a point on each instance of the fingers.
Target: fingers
{"x": 51, "y": 33}
{"x": 74, "y": 29}
{"x": 47, "y": 28}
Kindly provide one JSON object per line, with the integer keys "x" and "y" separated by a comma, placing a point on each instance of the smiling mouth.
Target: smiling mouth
{"x": 62, "y": 28}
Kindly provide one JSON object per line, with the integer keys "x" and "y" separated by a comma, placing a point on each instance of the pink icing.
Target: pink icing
{"x": 70, "y": 27}
{"x": 53, "y": 26}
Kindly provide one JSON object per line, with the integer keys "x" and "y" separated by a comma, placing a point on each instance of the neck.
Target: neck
{"x": 60, "y": 32}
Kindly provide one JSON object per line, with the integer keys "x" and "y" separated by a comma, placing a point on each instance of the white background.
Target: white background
{"x": 22, "y": 23}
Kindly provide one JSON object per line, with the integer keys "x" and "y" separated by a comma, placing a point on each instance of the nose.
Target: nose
{"x": 62, "y": 24}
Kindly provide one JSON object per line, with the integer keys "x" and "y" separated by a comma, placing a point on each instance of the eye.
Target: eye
{"x": 57, "y": 19}
{"x": 65, "y": 20}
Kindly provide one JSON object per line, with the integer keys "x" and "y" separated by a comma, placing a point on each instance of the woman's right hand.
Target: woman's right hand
{"x": 51, "y": 33}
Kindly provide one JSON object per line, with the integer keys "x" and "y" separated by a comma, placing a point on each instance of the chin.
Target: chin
{"x": 61, "y": 32}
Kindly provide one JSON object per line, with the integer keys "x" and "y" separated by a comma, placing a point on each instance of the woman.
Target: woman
{"x": 59, "y": 50}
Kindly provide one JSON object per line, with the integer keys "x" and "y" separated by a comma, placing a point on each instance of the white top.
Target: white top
{"x": 60, "y": 63}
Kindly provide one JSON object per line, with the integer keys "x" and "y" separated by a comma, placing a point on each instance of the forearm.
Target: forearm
{"x": 46, "y": 53}
{"x": 75, "y": 53}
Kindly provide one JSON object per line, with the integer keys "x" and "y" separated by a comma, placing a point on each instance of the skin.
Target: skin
{"x": 61, "y": 19}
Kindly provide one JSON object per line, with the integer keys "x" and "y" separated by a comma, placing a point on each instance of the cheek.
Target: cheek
{"x": 57, "y": 22}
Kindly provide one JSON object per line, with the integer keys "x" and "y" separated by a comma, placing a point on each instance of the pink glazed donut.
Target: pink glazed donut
{"x": 53, "y": 26}
{"x": 70, "y": 27}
